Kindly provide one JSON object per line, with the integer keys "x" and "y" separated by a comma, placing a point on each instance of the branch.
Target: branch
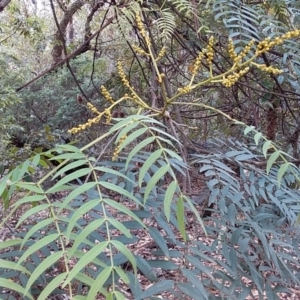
{"x": 78, "y": 51}
{"x": 60, "y": 33}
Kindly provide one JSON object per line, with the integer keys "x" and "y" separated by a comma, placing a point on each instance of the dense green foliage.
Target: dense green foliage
{"x": 155, "y": 95}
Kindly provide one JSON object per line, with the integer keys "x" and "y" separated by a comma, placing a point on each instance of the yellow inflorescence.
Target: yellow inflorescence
{"x": 108, "y": 116}
{"x": 106, "y": 94}
{"x": 141, "y": 29}
{"x": 134, "y": 97}
{"x": 90, "y": 122}
{"x": 117, "y": 149}
{"x": 267, "y": 69}
{"x": 246, "y": 50}
{"x": 122, "y": 75}
{"x": 139, "y": 24}
{"x": 230, "y": 80}
{"x": 93, "y": 108}
{"x": 210, "y": 50}
{"x": 231, "y": 51}
{"x": 267, "y": 44}
{"x": 139, "y": 50}
{"x": 184, "y": 90}
{"x": 197, "y": 64}
{"x": 261, "y": 48}
{"x": 161, "y": 53}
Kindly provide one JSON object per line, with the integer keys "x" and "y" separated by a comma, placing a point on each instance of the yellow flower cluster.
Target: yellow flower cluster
{"x": 267, "y": 44}
{"x": 90, "y": 122}
{"x": 231, "y": 51}
{"x": 122, "y": 75}
{"x": 269, "y": 69}
{"x": 139, "y": 50}
{"x": 161, "y": 53}
{"x": 141, "y": 29}
{"x": 106, "y": 94}
{"x": 92, "y": 108}
{"x": 197, "y": 64}
{"x": 108, "y": 116}
{"x": 246, "y": 50}
{"x": 184, "y": 90}
{"x": 117, "y": 149}
{"x": 210, "y": 50}
{"x": 233, "y": 78}
{"x": 134, "y": 97}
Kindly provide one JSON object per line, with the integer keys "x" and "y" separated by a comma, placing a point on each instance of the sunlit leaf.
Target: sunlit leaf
{"x": 155, "y": 178}
{"x": 271, "y": 160}
{"x": 99, "y": 282}
{"x": 47, "y": 262}
{"x": 282, "y": 170}
{"x": 85, "y": 260}
{"x": 148, "y": 163}
{"x": 12, "y": 286}
{"x": 55, "y": 283}
{"x": 169, "y": 196}
{"x": 180, "y": 217}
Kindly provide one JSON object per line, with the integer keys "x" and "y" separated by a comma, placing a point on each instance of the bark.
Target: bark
{"x": 61, "y": 31}
{"x": 3, "y": 4}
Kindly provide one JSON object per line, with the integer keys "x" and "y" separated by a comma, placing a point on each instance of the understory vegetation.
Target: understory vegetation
{"x": 150, "y": 149}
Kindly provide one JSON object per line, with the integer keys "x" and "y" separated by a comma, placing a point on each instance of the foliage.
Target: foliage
{"x": 84, "y": 236}
{"x": 174, "y": 82}
{"x": 8, "y": 98}
{"x": 251, "y": 234}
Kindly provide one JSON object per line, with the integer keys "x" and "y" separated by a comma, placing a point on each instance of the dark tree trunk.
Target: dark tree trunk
{"x": 3, "y": 4}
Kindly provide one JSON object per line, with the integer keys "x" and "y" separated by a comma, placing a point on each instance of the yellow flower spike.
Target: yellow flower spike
{"x": 267, "y": 44}
{"x": 246, "y": 50}
{"x": 234, "y": 77}
{"x": 89, "y": 122}
{"x": 267, "y": 69}
{"x": 184, "y": 90}
{"x": 117, "y": 148}
{"x": 141, "y": 29}
{"x": 210, "y": 50}
{"x": 139, "y": 22}
{"x": 139, "y": 50}
{"x": 231, "y": 51}
{"x": 122, "y": 75}
{"x": 195, "y": 68}
{"x": 106, "y": 94}
{"x": 161, "y": 53}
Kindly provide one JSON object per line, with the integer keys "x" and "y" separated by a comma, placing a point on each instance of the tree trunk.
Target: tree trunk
{"x": 61, "y": 32}
{"x": 3, "y": 4}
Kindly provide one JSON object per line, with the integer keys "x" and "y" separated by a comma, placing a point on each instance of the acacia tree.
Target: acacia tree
{"x": 200, "y": 68}
{"x": 267, "y": 102}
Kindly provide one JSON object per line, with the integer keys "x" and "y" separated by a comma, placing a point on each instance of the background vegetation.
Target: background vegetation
{"x": 175, "y": 129}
